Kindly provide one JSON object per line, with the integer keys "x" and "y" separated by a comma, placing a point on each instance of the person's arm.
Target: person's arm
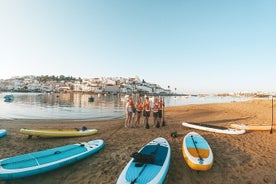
{"x": 126, "y": 108}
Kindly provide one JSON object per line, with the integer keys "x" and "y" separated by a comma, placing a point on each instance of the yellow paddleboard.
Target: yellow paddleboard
{"x": 253, "y": 127}
{"x": 58, "y": 132}
{"x": 197, "y": 152}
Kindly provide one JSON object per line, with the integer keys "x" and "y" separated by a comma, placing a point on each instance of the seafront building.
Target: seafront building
{"x": 103, "y": 85}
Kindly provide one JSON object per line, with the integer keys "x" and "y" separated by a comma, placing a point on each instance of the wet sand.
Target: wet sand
{"x": 248, "y": 158}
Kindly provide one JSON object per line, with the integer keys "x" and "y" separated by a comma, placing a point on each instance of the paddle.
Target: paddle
{"x": 158, "y": 124}
{"x": 163, "y": 113}
{"x": 272, "y": 117}
{"x": 147, "y": 119}
{"x": 175, "y": 134}
{"x": 147, "y": 123}
{"x": 30, "y": 136}
{"x": 133, "y": 181}
{"x": 200, "y": 158}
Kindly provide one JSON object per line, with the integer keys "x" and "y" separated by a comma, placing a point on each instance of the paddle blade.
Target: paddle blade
{"x": 158, "y": 124}
{"x": 174, "y": 134}
{"x": 147, "y": 125}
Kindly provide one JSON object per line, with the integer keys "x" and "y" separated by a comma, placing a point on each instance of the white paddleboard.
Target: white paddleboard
{"x": 212, "y": 128}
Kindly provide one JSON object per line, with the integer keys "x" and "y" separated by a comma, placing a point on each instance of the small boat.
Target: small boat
{"x": 58, "y": 132}
{"x": 213, "y": 128}
{"x": 253, "y": 127}
{"x": 149, "y": 165}
{"x": 91, "y": 99}
{"x": 46, "y": 160}
{"x": 197, "y": 152}
{"x": 3, "y": 132}
{"x": 8, "y": 98}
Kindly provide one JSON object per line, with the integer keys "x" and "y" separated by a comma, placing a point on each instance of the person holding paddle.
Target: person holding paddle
{"x": 146, "y": 112}
{"x": 139, "y": 109}
{"x": 155, "y": 110}
{"x": 160, "y": 110}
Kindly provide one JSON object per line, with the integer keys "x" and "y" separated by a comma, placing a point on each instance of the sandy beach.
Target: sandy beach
{"x": 248, "y": 158}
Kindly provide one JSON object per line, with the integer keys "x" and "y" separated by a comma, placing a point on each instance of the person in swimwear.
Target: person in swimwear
{"x": 160, "y": 110}
{"x": 155, "y": 108}
{"x": 130, "y": 107}
{"x": 139, "y": 110}
{"x": 146, "y": 112}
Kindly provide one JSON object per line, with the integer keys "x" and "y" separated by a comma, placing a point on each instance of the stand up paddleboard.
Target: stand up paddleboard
{"x": 46, "y": 160}
{"x": 212, "y": 128}
{"x": 149, "y": 165}
{"x": 197, "y": 152}
{"x": 3, "y": 132}
{"x": 252, "y": 127}
{"x": 58, "y": 132}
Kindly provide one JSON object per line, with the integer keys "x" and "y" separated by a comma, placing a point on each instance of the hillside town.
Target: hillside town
{"x": 102, "y": 85}
{"x": 99, "y": 85}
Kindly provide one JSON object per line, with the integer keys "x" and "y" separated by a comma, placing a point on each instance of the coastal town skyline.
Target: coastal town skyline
{"x": 102, "y": 85}
{"x": 194, "y": 47}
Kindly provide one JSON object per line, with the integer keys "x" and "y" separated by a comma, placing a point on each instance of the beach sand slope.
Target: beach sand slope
{"x": 247, "y": 158}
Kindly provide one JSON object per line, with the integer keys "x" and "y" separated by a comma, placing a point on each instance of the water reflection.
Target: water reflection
{"x": 77, "y": 105}
{"x": 60, "y": 106}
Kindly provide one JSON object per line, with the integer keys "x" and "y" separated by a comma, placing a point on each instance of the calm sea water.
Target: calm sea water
{"x": 76, "y": 106}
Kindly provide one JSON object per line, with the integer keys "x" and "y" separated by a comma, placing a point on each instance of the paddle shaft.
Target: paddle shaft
{"x": 163, "y": 114}
{"x": 145, "y": 165}
{"x": 271, "y": 117}
{"x": 147, "y": 122}
{"x": 196, "y": 148}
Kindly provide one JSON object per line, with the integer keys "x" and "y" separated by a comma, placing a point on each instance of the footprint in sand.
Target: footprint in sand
{"x": 268, "y": 179}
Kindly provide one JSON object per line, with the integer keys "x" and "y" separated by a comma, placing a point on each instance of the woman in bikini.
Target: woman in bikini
{"x": 129, "y": 112}
{"x": 146, "y": 112}
{"x": 139, "y": 110}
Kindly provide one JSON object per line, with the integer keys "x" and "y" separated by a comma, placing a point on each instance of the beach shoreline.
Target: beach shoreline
{"x": 247, "y": 158}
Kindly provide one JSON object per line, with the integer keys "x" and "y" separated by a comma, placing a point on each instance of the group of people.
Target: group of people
{"x": 143, "y": 107}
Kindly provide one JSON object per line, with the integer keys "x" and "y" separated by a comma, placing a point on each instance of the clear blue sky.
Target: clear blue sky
{"x": 192, "y": 45}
